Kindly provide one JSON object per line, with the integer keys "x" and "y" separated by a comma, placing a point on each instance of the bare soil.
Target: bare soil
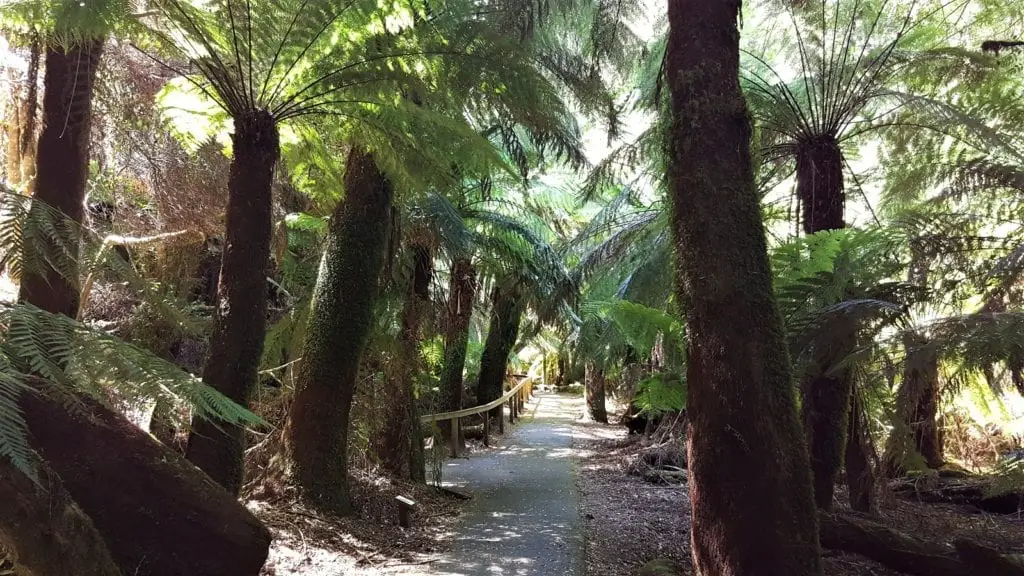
{"x": 629, "y": 521}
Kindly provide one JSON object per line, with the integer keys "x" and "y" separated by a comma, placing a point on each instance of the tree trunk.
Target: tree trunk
{"x": 21, "y": 124}
{"x": 827, "y": 398}
{"x": 47, "y": 532}
{"x": 860, "y": 477}
{"x": 506, "y": 312}
{"x": 340, "y": 322}
{"x": 916, "y": 429}
{"x": 819, "y": 183}
{"x": 594, "y": 383}
{"x": 401, "y": 443}
{"x": 62, "y": 168}
{"x": 158, "y": 514}
{"x": 826, "y": 414}
{"x": 747, "y": 456}
{"x": 462, "y": 292}
{"x": 240, "y": 319}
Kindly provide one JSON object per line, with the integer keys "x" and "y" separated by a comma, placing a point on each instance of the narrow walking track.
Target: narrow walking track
{"x": 524, "y": 516}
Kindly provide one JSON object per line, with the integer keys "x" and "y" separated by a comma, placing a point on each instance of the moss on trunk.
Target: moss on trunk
{"x": 462, "y": 291}
{"x": 62, "y": 168}
{"x": 341, "y": 318}
{"x": 240, "y": 323}
{"x": 747, "y": 456}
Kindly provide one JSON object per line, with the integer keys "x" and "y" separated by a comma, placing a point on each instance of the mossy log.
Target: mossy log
{"x": 158, "y": 514}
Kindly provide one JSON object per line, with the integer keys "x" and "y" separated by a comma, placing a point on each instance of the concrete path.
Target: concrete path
{"x": 524, "y": 516}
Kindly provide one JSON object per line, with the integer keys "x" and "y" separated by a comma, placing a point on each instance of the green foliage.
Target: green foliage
{"x": 70, "y": 356}
{"x": 661, "y": 393}
{"x": 64, "y": 22}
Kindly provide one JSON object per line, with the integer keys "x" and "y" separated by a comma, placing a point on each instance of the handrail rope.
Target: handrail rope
{"x": 428, "y": 418}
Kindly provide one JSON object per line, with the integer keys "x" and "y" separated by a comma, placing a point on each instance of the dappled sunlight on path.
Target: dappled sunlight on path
{"x": 524, "y": 517}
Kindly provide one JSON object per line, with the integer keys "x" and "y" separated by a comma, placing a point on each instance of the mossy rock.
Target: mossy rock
{"x": 661, "y": 567}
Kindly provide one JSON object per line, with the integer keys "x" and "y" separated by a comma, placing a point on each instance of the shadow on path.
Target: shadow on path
{"x": 524, "y": 516}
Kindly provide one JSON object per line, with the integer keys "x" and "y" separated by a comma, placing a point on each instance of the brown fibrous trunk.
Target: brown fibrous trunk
{"x": 62, "y": 168}
{"x": 46, "y": 531}
{"x": 594, "y": 383}
{"x": 462, "y": 291}
{"x": 157, "y": 514}
{"x": 401, "y": 443}
{"x": 240, "y": 323}
{"x": 502, "y": 332}
{"x": 917, "y": 402}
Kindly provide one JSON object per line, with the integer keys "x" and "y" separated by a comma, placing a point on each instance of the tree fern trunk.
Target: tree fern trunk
{"x": 46, "y": 530}
{"x": 240, "y": 319}
{"x": 819, "y": 183}
{"x": 594, "y": 384}
{"x": 62, "y": 168}
{"x": 341, "y": 318}
{"x": 860, "y": 476}
{"x": 827, "y": 398}
{"x": 158, "y": 515}
{"x": 506, "y": 313}
{"x": 462, "y": 292}
{"x": 747, "y": 456}
{"x": 917, "y": 401}
{"x": 401, "y": 444}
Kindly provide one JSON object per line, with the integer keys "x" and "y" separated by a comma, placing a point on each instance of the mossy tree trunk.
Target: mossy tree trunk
{"x": 506, "y": 313}
{"x": 401, "y": 444}
{"x": 462, "y": 292}
{"x": 240, "y": 319}
{"x": 594, "y": 383}
{"x": 340, "y": 321}
{"x": 62, "y": 168}
{"x": 747, "y": 456}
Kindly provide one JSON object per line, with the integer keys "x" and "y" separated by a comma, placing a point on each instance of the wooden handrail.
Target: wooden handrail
{"x": 426, "y": 419}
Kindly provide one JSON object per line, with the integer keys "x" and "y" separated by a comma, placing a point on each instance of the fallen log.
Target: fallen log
{"x": 986, "y": 560}
{"x": 908, "y": 554}
{"x": 157, "y": 513}
{"x": 961, "y": 491}
{"x": 49, "y": 532}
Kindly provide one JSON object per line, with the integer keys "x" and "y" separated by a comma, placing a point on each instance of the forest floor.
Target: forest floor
{"x": 629, "y": 521}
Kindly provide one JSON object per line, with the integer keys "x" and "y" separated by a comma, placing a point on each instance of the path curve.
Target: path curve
{"x": 523, "y": 519}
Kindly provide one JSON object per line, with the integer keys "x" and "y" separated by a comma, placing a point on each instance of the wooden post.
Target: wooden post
{"x": 453, "y": 450}
{"x": 501, "y": 419}
{"x": 405, "y": 507}
{"x": 487, "y": 428}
